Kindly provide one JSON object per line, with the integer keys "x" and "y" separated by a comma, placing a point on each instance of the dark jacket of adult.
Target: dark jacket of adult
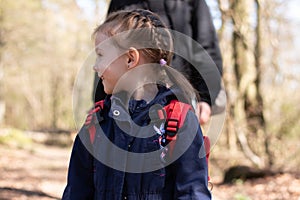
{"x": 121, "y": 166}
{"x": 202, "y": 63}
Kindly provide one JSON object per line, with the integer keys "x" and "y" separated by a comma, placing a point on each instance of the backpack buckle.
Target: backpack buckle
{"x": 92, "y": 117}
{"x": 171, "y": 127}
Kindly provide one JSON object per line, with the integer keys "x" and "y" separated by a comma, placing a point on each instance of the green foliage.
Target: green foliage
{"x": 241, "y": 197}
{"x": 58, "y": 140}
{"x": 45, "y": 45}
{"x": 14, "y": 137}
{"x": 239, "y": 182}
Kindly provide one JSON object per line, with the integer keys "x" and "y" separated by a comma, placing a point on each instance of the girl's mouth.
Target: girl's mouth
{"x": 100, "y": 76}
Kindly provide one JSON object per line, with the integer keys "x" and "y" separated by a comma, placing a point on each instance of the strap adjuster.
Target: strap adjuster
{"x": 171, "y": 127}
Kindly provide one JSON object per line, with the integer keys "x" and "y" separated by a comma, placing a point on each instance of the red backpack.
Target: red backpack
{"x": 174, "y": 114}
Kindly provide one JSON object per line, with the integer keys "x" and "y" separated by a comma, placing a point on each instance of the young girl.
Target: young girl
{"x": 129, "y": 157}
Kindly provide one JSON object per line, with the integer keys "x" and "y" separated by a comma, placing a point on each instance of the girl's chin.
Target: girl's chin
{"x": 107, "y": 91}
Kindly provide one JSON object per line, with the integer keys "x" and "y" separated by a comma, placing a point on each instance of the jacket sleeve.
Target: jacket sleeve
{"x": 80, "y": 173}
{"x": 190, "y": 169}
{"x": 204, "y": 33}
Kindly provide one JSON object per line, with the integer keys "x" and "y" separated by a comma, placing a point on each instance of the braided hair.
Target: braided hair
{"x": 145, "y": 31}
{"x": 145, "y": 28}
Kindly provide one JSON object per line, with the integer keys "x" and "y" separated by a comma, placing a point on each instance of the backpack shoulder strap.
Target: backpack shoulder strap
{"x": 176, "y": 113}
{"x": 91, "y": 119}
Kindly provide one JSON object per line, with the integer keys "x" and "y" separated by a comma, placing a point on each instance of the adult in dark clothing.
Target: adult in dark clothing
{"x": 193, "y": 19}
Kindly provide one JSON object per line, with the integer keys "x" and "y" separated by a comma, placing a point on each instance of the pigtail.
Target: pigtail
{"x": 177, "y": 80}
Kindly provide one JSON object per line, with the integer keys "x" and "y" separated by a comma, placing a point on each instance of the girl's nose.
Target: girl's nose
{"x": 98, "y": 69}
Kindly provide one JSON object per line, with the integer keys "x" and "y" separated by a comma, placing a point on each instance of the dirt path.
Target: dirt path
{"x": 35, "y": 173}
{"x": 39, "y": 172}
{"x": 280, "y": 187}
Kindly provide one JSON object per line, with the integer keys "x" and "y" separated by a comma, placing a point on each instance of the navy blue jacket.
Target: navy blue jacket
{"x": 126, "y": 160}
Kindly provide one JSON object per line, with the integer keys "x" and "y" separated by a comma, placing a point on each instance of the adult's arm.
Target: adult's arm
{"x": 210, "y": 60}
{"x": 204, "y": 32}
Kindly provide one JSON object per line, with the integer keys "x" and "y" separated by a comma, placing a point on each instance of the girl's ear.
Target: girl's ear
{"x": 133, "y": 57}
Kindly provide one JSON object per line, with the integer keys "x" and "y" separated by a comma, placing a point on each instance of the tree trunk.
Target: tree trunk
{"x": 2, "y": 102}
{"x": 246, "y": 75}
{"x": 258, "y": 115}
{"x": 228, "y": 74}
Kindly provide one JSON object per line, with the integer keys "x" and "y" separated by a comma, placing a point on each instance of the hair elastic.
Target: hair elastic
{"x": 162, "y": 62}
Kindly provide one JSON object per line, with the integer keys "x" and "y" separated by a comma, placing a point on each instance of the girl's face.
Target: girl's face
{"x": 110, "y": 64}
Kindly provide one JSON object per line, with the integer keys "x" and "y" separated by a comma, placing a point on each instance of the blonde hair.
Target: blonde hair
{"x": 145, "y": 31}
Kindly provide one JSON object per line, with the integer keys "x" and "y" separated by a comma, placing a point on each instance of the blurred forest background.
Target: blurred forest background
{"x": 45, "y": 44}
